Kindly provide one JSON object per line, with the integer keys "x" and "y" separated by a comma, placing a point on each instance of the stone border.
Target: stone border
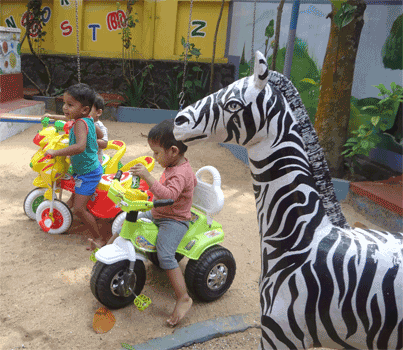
{"x": 200, "y": 332}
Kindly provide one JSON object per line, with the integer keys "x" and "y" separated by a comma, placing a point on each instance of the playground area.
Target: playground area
{"x": 46, "y": 298}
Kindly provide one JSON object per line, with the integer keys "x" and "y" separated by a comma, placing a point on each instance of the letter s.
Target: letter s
{"x": 67, "y": 29}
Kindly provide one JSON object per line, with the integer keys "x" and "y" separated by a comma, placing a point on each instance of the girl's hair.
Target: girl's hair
{"x": 99, "y": 102}
{"x": 162, "y": 134}
{"x": 82, "y": 93}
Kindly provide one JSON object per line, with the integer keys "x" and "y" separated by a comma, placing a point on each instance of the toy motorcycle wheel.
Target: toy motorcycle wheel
{"x": 62, "y": 217}
{"x": 211, "y": 276}
{"x": 32, "y": 202}
{"x": 112, "y": 285}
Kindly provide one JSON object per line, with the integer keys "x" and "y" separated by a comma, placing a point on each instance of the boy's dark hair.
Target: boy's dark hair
{"x": 99, "y": 102}
{"x": 162, "y": 134}
{"x": 82, "y": 93}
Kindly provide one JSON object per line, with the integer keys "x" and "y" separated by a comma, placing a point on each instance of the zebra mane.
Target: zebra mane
{"x": 316, "y": 157}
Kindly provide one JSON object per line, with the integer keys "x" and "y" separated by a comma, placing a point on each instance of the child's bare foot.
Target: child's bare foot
{"x": 182, "y": 306}
{"x": 95, "y": 243}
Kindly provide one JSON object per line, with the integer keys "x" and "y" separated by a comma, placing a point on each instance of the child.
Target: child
{"x": 177, "y": 182}
{"x": 96, "y": 112}
{"x": 83, "y": 151}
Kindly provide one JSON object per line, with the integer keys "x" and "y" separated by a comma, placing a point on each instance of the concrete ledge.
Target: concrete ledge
{"x": 21, "y": 107}
{"x": 200, "y": 332}
{"x": 375, "y": 213}
{"x": 143, "y": 115}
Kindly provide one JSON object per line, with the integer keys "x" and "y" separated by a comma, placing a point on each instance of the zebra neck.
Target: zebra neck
{"x": 287, "y": 201}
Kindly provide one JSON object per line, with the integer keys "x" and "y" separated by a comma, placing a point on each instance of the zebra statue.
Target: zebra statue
{"x": 322, "y": 283}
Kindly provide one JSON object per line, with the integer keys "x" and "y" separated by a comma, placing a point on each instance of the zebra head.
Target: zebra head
{"x": 236, "y": 113}
{"x": 262, "y": 107}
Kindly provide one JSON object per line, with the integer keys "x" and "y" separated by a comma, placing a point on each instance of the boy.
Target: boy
{"x": 177, "y": 182}
{"x": 96, "y": 112}
{"x": 83, "y": 152}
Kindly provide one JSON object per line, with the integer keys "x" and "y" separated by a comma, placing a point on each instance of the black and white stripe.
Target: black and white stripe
{"x": 322, "y": 283}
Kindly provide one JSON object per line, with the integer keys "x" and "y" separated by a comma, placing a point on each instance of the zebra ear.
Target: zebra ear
{"x": 261, "y": 72}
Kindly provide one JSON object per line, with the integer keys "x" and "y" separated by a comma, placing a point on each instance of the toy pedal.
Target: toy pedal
{"x": 92, "y": 256}
{"x": 142, "y": 302}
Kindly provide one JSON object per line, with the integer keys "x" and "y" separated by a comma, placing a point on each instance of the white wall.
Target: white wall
{"x": 314, "y": 28}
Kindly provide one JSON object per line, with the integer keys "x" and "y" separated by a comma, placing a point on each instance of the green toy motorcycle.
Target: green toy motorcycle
{"x": 119, "y": 275}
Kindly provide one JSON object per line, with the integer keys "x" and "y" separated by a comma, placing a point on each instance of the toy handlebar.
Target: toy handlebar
{"x": 118, "y": 175}
{"x": 162, "y": 202}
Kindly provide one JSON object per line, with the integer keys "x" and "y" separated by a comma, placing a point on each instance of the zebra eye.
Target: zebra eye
{"x": 233, "y": 106}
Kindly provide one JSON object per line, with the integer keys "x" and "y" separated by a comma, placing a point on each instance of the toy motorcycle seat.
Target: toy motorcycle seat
{"x": 208, "y": 198}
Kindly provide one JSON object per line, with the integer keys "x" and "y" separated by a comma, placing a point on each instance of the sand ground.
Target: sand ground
{"x": 46, "y": 301}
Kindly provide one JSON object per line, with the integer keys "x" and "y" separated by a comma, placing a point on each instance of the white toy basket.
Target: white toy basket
{"x": 208, "y": 198}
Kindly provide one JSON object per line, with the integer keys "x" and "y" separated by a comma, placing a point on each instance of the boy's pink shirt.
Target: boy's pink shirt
{"x": 176, "y": 183}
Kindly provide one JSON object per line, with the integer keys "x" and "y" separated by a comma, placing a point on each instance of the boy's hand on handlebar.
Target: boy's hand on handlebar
{"x": 139, "y": 170}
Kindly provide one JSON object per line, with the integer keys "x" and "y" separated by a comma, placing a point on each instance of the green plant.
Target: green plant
{"x": 135, "y": 92}
{"x": 369, "y": 134}
{"x": 269, "y": 32}
{"x": 195, "y": 82}
{"x": 172, "y": 100}
{"x": 344, "y": 15}
{"x": 34, "y": 33}
{"x": 58, "y": 92}
{"x": 245, "y": 66}
{"x": 137, "y": 82}
{"x": 128, "y": 50}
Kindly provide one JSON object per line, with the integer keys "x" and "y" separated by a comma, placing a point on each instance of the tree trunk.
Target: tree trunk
{"x": 333, "y": 113}
{"x": 277, "y": 35}
{"x": 214, "y": 47}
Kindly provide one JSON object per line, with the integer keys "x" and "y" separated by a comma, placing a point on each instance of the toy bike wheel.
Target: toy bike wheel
{"x": 110, "y": 283}
{"x": 32, "y": 202}
{"x": 61, "y": 213}
{"x": 118, "y": 222}
{"x": 211, "y": 276}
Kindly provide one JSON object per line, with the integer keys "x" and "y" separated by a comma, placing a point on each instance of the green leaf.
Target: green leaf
{"x": 344, "y": 15}
{"x": 383, "y": 90}
{"x": 364, "y": 144}
{"x": 197, "y": 69}
{"x": 198, "y": 83}
{"x": 188, "y": 84}
{"x": 375, "y": 120}
{"x": 353, "y": 139}
{"x": 337, "y": 3}
{"x": 370, "y": 107}
{"x": 195, "y": 52}
{"x": 310, "y": 81}
{"x": 348, "y": 14}
{"x": 183, "y": 42}
{"x": 269, "y": 32}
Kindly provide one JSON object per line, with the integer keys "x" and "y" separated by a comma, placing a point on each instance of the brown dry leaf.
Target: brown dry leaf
{"x": 103, "y": 320}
